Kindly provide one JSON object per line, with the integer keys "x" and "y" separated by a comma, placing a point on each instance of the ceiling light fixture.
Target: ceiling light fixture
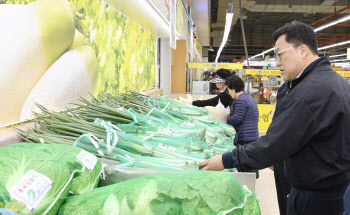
{"x": 343, "y": 19}
{"x": 340, "y": 60}
{"x": 337, "y": 55}
{"x": 229, "y": 16}
{"x": 261, "y": 54}
{"x": 337, "y": 44}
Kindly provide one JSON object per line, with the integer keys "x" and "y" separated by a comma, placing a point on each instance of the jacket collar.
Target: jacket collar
{"x": 309, "y": 69}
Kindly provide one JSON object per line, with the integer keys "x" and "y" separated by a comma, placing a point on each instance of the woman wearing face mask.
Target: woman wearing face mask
{"x": 224, "y": 96}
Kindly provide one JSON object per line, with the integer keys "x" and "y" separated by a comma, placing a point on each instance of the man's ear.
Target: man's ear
{"x": 305, "y": 51}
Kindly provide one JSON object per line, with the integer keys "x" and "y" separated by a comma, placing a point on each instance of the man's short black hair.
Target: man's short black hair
{"x": 298, "y": 33}
{"x": 236, "y": 83}
{"x": 223, "y": 73}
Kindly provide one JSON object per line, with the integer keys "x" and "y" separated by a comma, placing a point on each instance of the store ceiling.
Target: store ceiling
{"x": 262, "y": 17}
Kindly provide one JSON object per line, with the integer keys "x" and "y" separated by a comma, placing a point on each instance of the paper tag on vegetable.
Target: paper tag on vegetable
{"x": 188, "y": 123}
{"x": 166, "y": 147}
{"x": 166, "y": 131}
{"x": 31, "y": 189}
{"x": 89, "y": 160}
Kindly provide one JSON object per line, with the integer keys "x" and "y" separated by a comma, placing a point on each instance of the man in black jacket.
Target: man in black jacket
{"x": 311, "y": 131}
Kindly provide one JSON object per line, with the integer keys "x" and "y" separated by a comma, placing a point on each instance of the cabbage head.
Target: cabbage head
{"x": 201, "y": 192}
{"x": 83, "y": 181}
{"x": 15, "y": 164}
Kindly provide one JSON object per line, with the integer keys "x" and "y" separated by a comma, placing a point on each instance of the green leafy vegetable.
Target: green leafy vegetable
{"x": 82, "y": 182}
{"x": 15, "y": 165}
{"x": 166, "y": 193}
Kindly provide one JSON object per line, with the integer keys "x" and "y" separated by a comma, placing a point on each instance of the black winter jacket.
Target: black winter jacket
{"x": 311, "y": 132}
{"x": 224, "y": 97}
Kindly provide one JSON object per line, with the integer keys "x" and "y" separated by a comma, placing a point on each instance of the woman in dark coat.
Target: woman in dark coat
{"x": 244, "y": 114}
{"x": 224, "y": 96}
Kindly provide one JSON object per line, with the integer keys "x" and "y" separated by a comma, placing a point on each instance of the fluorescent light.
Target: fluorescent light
{"x": 262, "y": 53}
{"x": 340, "y": 60}
{"x": 337, "y": 55}
{"x": 229, "y": 16}
{"x": 337, "y": 44}
{"x": 343, "y": 19}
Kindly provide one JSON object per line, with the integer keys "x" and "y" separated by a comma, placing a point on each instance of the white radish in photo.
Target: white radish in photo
{"x": 73, "y": 75}
{"x": 79, "y": 40}
{"x": 33, "y": 37}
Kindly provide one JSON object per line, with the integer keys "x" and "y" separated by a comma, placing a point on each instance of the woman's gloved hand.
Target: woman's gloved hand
{"x": 187, "y": 101}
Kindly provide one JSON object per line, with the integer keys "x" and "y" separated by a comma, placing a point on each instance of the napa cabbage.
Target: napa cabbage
{"x": 17, "y": 167}
{"x": 201, "y": 192}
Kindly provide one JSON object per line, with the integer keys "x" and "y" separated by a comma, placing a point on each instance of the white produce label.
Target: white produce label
{"x": 166, "y": 131}
{"x": 89, "y": 160}
{"x": 31, "y": 189}
{"x": 166, "y": 147}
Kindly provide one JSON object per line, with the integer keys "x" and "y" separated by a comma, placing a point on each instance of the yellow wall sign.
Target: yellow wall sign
{"x": 344, "y": 73}
{"x": 337, "y": 68}
{"x": 216, "y": 65}
{"x": 262, "y": 72}
{"x": 265, "y": 115}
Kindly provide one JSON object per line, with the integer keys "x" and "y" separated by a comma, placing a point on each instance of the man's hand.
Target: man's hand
{"x": 213, "y": 164}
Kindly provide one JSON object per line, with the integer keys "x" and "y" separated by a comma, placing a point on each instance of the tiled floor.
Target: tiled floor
{"x": 266, "y": 191}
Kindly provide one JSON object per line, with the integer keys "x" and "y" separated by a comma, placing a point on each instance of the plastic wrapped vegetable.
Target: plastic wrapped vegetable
{"x": 73, "y": 158}
{"x": 37, "y": 182}
{"x": 166, "y": 193}
{"x": 252, "y": 205}
{"x": 4, "y": 195}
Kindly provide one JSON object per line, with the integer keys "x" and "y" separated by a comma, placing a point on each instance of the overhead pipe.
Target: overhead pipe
{"x": 333, "y": 40}
{"x": 332, "y": 33}
{"x": 330, "y": 15}
{"x": 243, "y": 34}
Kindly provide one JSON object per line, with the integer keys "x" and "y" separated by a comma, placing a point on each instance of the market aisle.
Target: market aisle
{"x": 265, "y": 189}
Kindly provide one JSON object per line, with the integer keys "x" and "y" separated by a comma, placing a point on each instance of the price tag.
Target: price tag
{"x": 31, "y": 189}
{"x": 166, "y": 147}
{"x": 89, "y": 160}
{"x": 166, "y": 131}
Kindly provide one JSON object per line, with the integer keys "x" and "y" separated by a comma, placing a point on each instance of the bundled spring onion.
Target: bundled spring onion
{"x": 135, "y": 129}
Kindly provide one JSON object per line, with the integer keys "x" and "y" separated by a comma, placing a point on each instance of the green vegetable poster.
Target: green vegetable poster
{"x": 58, "y": 50}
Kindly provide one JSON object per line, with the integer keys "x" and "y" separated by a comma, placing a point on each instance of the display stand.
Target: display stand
{"x": 200, "y": 87}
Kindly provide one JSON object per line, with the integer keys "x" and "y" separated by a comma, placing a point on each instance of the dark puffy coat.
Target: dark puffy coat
{"x": 238, "y": 112}
{"x": 225, "y": 99}
{"x": 311, "y": 132}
